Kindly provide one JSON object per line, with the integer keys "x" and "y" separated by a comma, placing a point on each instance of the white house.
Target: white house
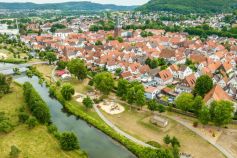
{"x": 150, "y": 92}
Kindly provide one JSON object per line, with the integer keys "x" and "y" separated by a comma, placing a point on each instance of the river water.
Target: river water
{"x": 93, "y": 141}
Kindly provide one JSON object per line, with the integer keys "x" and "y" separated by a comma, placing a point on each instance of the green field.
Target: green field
{"x": 33, "y": 143}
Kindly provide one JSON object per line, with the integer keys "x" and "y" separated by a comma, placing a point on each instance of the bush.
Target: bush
{"x": 36, "y": 104}
{"x": 161, "y": 108}
{"x": 68, "y": 141}
{"x": 32, "y": 122}
{"x": 5, "y": 124}
{"x": 52, "y": 129}
{"x": 15, "y": 152}
{"x": 52, "y": 91}
{"x": 23, "y": 117}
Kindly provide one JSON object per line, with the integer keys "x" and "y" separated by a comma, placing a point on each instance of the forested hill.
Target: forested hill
{"x": 65, "y": 6}
{"x": 190, "y": 6}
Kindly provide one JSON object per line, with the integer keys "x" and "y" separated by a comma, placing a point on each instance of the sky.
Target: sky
{"x": 118, "y": 2}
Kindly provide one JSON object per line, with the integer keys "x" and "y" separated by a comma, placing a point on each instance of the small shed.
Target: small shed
{"x": 159, "y": 121}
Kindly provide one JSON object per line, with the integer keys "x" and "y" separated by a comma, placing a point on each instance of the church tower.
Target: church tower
{"x": 118, "y": 28}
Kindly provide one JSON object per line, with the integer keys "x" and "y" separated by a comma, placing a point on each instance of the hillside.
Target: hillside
{"x": 190, "y": 6}
{"x": 64, "y": 6}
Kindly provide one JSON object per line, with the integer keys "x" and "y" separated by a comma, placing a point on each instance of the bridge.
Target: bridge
{"x": 7, "y": 69}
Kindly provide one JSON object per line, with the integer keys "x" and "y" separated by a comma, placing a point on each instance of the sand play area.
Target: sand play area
{"x": 79, "y": 97}
{"x": 111, "y": 107}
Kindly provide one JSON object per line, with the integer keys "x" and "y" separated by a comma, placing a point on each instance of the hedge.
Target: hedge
{"x": 36, "y": 104}
{"x": 139, "y": 151}
{"x": 12, "y": 61}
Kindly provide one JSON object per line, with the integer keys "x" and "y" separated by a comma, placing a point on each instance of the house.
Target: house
{"x": 126, "y": 75}
{"x": 186, "y": 85}
{"x": 164, "y": 77}
{"x": 174, "y": 70}
{"x": 150, "y": 92}
{"x": 216, "y": 94}
{"x": 184, "y": 71}
{"x": 63, "y": 33}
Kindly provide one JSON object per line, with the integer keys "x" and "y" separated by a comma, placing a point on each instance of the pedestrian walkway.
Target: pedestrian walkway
{"x": 118, "y": 130}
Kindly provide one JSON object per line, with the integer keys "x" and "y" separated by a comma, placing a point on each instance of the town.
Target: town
{"x": 154, "y": 82}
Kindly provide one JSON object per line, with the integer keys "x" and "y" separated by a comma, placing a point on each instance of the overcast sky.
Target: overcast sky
{"x": 118, "y": 2}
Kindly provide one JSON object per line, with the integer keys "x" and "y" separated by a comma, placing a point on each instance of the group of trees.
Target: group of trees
{"x": 155, "y": 62}
{"x": 111, "y": 38}
{"x": 154, "y": 106}
{"x": 219, "y": 112}
{"x": 36, "y": 104}
{"x": 48, "y": 55}
{"x": 132, "y": 92}
{"x": 175, "y": 144}
{"x": 146, "y": 33}
{"x": 204, "y": 31}
{"x": 67, "y": 140}
{"x": 187, "y": 102}
{"x": 55, "y": 27}
{"x": 102, "y": 25}
{"x": 5, "y": 84}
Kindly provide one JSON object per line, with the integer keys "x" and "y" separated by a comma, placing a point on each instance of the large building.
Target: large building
{"x": 118, "y": 28}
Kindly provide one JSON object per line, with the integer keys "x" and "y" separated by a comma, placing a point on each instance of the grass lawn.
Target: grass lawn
{"x": 10, "y": 54}
{"x": 36, "y": 142}
{"x": 46, "y": 70}
{"x": 138, "y": 124}
{"x": 80, "y": 86}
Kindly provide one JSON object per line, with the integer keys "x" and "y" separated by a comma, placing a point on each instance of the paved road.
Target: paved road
{"x": 118, "y": 130}
{"x": 220, "y": 148}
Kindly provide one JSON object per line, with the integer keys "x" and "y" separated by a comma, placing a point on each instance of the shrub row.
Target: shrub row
{"x": 36, "y": 104}
{"x": 139, "y": 151}
{"x": 12, "y": 61}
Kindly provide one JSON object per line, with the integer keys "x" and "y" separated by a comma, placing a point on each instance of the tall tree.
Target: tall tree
{"x": 203, "y": 85}
{"x": 204, "y": 115}
{"x": 122, "y": 88}
{"x": 67, "y": 91}
{"x": 51, "y": 57}
{"x": 104, "y": 82}
{"x": 140, "y": 98}
{"x": 223, "y": 113}
{"x": 77, "y": 67}
{"x": 198, "y": 104}
{"x": 184, "y": 101}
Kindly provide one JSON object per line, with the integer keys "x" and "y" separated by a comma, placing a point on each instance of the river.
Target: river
{"x": 94, "y": 142}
